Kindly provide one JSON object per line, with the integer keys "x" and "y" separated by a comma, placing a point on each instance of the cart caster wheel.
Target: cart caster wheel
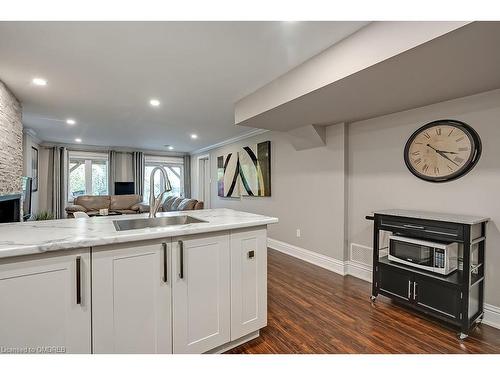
{"x": 462, "y": 336}
{"x": 372, "y": 298}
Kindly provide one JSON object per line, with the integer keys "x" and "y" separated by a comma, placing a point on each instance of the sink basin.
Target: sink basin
{"x": 121, "y": 225}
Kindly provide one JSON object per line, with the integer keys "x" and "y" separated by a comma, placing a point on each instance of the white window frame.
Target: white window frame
{"x": 166, "y": 161}
{"x": 87, "y": 157}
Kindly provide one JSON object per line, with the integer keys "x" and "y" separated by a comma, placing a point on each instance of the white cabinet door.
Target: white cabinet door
{"x": 248, "y": 281}
{"x": 131, "y": 295}
{"x": 45, "y": 302}
{"x": 201, "y": 291}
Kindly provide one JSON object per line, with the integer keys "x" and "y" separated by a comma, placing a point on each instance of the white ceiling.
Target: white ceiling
{"x": 103, "y": 74}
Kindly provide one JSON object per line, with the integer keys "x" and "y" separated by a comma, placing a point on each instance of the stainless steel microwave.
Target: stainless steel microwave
{"x": 436, "y": 257}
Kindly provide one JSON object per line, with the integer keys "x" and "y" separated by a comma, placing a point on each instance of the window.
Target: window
{"x": 175, "y": 171}
{"x": 88, "y": 174}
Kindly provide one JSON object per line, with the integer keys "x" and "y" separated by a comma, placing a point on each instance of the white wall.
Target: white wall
{"x": 307, "y": 191}
{"x": 378, "y": 177}
{"x": 308, "y": 186}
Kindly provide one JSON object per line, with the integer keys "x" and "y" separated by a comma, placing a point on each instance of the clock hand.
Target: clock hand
{"x": 442, "y": 153}
{"x": 428, "y": 145}
{"x": 446, "y": 157}
{"x": 446, "y": 152}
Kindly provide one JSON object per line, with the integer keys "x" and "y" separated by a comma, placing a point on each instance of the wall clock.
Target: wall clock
{"x": 442, "y": 150}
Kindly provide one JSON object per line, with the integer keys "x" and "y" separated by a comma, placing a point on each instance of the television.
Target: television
{"x": 27, "y": 191}
{"x": 123, "y": 188}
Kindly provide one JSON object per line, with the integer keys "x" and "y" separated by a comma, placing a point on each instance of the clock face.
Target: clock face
{"x": 442, "y": 150}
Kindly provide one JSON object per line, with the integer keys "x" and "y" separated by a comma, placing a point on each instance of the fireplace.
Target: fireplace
{"x": 10, "y": 208}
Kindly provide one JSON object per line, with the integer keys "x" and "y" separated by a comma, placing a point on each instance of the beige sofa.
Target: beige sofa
{"x": 90, "y": 204}
{"x": 174, "y": 203}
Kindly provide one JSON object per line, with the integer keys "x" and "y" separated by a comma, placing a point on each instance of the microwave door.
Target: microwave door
{"x": 410, "y": 252}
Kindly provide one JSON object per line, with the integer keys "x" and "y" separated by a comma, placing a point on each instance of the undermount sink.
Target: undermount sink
{"x": 121, "y": 225}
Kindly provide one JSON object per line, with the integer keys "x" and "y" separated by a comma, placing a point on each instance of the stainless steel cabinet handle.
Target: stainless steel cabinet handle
{"x": 165, "y": 263}
{"x": 181, "y": 256}
{"x": 413, "y": 226}
{"x": 415, "y": 290}
{"x": 409, "y": 289}
{"x": 78, "y": 280}
{"x": 443, "y": 233}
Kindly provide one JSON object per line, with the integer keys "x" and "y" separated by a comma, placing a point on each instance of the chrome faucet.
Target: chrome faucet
{"x": 155, "y": 201}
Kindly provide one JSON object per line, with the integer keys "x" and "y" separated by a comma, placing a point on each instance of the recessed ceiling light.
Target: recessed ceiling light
{"x": 78, "y": 140}
{"x": 170, "y": 148}
{"x": 70, "y": 121}
{"x": 39, "y": 81}
{"x": 194, "y": 136}
{"x": 154, "y": 102}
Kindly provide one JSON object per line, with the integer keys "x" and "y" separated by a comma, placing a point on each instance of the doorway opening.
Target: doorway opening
{"x": 204, "y": 180}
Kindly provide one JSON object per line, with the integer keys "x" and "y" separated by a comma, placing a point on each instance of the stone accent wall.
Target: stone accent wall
{"x": 11, "y": 142}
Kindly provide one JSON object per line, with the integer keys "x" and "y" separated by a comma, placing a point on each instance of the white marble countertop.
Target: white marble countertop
{"x": 453, "y": 218}
{"x": 34, "y": 237}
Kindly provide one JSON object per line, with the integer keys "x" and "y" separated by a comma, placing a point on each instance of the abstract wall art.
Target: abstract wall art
{"x": 247, "y": 172}
{"x": 228, "y": 180}
{"x": 255, "y": 169}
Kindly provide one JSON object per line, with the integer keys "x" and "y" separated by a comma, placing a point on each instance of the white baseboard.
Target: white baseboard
{"x": 233, "y": 344}
{"x": 361, "y": 271}
{"x": 491, "y": 315}
{"x": 317, "y": 259}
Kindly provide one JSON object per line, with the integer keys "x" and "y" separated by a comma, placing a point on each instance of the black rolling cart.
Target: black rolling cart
{"x": 456, "y": 297}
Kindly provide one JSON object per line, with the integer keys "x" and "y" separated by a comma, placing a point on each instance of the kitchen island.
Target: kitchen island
{"x": 83, "y": 286}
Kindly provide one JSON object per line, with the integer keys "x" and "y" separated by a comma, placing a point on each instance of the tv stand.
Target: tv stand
{"x": 456, "y": 298}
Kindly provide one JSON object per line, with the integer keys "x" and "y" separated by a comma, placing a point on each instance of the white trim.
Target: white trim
{"x": 491, "y": 315}
{"x": 208, "y": 199}
{"x": 33, "y": 135}
{"x": 320, "y": 260}
{"x": 233, "y": 344}
{"x": 230, "y": 140}
{"x": 361, "y": 271}
{"x": 177, "y": 160}
{"x": 85, "y": 147}
{"x": 88, "y": 155}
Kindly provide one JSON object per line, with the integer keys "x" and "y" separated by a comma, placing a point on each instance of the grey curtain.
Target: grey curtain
{"x": 187, "y": 176}
{"x": 58, "y": 183}
{"x": 138, "y": 171}
{"x": 111, "y": 171}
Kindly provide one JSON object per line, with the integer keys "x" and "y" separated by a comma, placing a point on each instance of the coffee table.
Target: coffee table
{"x": 110, "y": 213}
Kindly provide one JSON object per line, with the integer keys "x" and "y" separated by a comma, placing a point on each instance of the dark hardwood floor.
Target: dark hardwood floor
{"x": 312, "y": 310}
